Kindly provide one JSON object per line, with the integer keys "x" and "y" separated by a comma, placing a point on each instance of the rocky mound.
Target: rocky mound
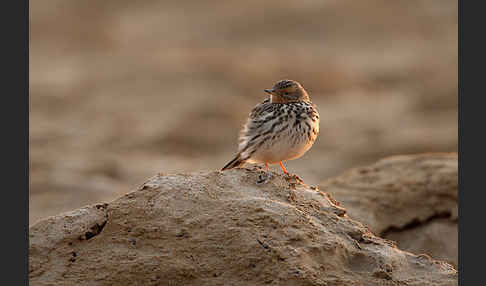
{"x": 237, "y": 227}
{"x": 409, "y": 199}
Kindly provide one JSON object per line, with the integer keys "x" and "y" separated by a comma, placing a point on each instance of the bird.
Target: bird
{"x": 283, "y": 127}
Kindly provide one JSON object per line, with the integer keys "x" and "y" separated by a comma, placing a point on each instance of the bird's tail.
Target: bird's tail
{"x": 236, "y": 162}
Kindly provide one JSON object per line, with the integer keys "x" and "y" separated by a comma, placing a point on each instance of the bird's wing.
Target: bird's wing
{"x": 255, "y": 124}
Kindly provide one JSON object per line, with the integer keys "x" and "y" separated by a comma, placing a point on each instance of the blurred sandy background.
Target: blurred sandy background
{"x": 122, "y": 90}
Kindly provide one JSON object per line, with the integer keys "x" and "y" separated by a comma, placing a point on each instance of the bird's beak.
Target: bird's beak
{"x": 269, "y": 91}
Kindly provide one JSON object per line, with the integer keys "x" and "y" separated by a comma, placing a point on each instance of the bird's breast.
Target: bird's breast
{"x": 288, "y": 136}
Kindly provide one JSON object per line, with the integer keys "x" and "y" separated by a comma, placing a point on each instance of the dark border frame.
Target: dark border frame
{"x": 471, "y": 174}
{"x": 15, "y": 141}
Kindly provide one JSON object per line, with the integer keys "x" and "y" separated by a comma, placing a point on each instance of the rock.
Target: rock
{"x": 239, "y": 227}
{"x": 409, "y": 199}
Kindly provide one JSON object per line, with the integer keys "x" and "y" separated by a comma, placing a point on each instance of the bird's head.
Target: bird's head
{"x": 286, "y": 90}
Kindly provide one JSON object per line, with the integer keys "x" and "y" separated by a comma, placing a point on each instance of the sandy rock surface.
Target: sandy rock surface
{"x": 238, "y": 227}
{"x": 409, "y": 199}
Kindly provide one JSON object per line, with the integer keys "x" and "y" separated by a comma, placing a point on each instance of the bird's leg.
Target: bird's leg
{"x": 283, "y": 168}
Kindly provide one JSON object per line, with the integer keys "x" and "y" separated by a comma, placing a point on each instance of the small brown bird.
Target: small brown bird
{"x": 282, "y": 127}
